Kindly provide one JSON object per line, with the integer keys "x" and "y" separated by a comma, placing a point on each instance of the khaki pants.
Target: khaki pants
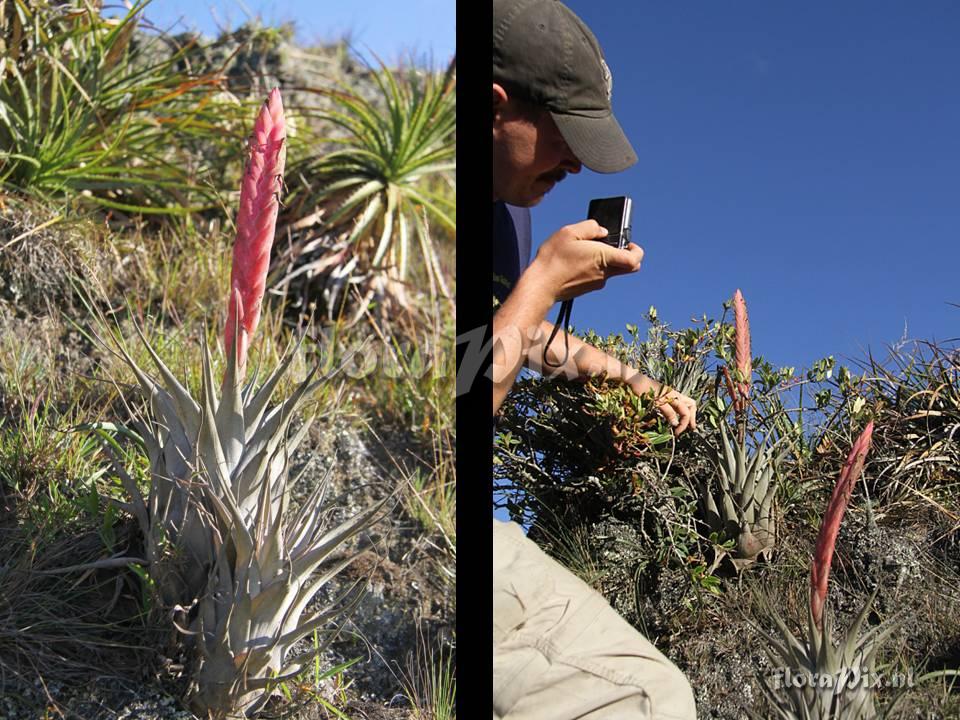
{"x": 561, "y": 652}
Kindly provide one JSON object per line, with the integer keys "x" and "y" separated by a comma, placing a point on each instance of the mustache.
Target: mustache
{"x": 555, "y": 177}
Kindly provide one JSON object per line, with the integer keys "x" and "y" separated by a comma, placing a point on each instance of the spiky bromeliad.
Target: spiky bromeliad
{"x": 221, "y": 542}
{"x": 835, "y": 678}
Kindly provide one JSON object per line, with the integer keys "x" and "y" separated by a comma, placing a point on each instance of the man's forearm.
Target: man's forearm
{"x": 516, "y": 328}
{"x": 583, "y": 360}
{"x": 518, "y": 341}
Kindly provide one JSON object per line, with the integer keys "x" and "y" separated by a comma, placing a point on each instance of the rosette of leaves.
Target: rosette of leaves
{"x": 220, "y": 537}
{"x": 836, "y": 671}
{"x": 737, "y": 501}
{"x": 387, "y": 187}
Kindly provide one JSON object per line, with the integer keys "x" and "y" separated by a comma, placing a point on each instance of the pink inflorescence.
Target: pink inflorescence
{"x": 742, "y": 350}
{"x": 827, "y": 537}
{"x": 256, "y": 224}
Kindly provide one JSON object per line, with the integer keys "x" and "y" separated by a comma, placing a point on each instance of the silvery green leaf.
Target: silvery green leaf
{"x": 253, "y": 410}
{"x": 189, "y": 410}
{"x": 308, "y": 561}
{"x": 345, "y": 604}
{"x": 229, "y": 415}
{"x": 220, "y": 492}
{"x": 302, "y": 598}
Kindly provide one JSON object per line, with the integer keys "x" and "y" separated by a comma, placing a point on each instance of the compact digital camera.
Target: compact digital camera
{"x": 613, "y": 214}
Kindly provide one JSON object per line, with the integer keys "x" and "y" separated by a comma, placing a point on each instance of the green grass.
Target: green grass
{"x": 412, "y": 387}
{"x": 430, "y": 681}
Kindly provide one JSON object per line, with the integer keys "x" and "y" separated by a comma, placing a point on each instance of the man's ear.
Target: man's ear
{"x": 499, "y": 99}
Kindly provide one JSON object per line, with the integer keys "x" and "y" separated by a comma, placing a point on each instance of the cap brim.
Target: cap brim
{"x": 598, "y": 142}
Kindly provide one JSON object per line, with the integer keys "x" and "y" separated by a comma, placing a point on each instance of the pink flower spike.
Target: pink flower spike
{"x": 256, "y": 223}
{"x": 830, "y": 526}
{"x": 742, "y": 343}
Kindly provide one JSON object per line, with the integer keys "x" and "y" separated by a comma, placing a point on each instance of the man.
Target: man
{"x": 560, "y": 650}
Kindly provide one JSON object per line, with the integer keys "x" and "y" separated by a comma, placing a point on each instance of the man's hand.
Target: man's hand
{"x": 570, "y": 267}
{"x": 676, "y": 408}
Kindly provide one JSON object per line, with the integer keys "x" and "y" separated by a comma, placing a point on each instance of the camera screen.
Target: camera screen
{"x": 608, "y": 212}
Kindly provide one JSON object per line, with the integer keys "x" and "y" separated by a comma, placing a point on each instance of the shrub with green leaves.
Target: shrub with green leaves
{"x": 553, "y": 435}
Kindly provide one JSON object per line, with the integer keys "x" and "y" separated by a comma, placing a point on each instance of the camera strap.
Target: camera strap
{"x": 563, "y": 320}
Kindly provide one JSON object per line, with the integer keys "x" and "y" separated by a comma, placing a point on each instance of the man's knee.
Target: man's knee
{"x": 559, "y": 644}
{"x": 652, "y": 675}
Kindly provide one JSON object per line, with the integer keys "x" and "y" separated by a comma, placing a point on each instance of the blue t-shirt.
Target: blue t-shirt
{"x": 511, "y": 247}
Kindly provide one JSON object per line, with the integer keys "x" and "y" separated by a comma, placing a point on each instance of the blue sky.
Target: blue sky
{"x": 388, "y": 28}
{"x": 805, "y": 152}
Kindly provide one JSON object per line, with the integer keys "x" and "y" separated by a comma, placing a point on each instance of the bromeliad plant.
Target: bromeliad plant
{"x": 222, "y": 545}
{"x": 737, "y": 503}
{"x": 837, "y": 676}
{"x": 385, "y": 186}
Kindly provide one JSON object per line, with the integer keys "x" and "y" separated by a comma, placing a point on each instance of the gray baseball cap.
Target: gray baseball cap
{"x": 544, "y": 51}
